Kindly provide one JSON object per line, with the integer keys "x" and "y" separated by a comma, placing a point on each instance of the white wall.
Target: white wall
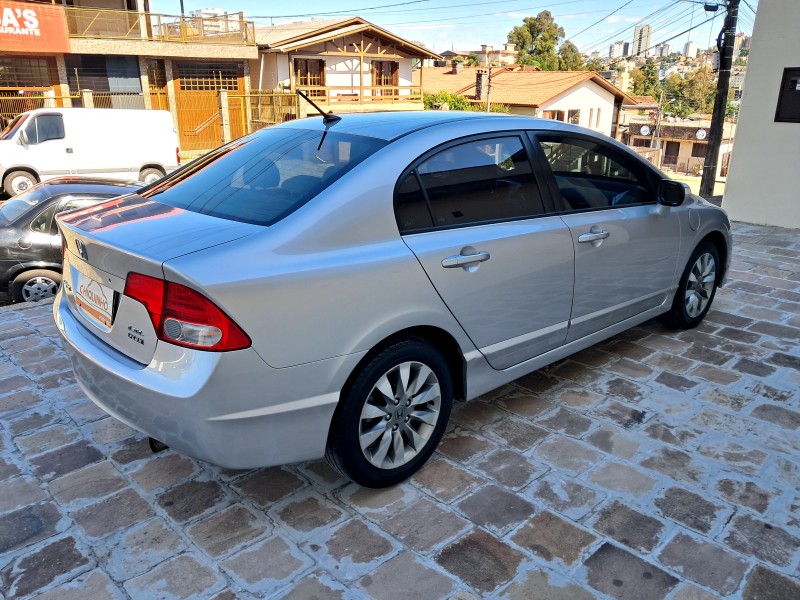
{"x": 587, "y": 96}
{"x": 762, "y": 182}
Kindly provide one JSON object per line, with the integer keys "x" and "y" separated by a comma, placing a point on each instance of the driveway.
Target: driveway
{"x": 654, "y": 465}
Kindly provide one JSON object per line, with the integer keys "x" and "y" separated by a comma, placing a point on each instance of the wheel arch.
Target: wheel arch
{"x": 716, "y": 238}
{"x": 27, "y": 169}
{"x": 11, "y": 274}
{"x": 157, "y": 166}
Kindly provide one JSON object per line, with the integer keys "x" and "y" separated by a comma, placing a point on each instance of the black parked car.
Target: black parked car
{"x": 30, "y": 244}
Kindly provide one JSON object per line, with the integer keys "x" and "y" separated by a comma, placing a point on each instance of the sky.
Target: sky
{"x": 467, "y": 24}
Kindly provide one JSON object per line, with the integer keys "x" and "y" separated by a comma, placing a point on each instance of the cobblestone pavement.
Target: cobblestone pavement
{"x": 654, "y": 465}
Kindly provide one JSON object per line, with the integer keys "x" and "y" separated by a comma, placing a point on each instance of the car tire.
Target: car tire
{"x": 391, "y": 418}
{"x": 150, "y": 175}
{"x": 697, "y": 288}
{"x": 17, "y": 182}
{"x": 32, "y": 286}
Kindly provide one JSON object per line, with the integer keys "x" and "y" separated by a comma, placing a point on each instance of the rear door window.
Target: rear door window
{"x": 264, "y": 177}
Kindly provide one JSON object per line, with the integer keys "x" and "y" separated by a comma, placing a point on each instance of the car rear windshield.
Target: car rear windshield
{"x": 11, "y": 210}
{"x": 264, "y": 177}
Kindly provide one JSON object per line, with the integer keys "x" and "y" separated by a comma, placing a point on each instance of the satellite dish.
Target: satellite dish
{"x": 701, "y": 134}
{"x": 644, "y": 130}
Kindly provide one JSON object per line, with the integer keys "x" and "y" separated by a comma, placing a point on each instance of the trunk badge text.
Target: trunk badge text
{"x": 135, "y": 334}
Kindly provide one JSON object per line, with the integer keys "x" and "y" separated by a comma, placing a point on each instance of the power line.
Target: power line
{"x": 616, "y": 10}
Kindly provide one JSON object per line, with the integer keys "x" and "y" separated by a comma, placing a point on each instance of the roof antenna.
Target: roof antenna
{"x": 328, "y": 117}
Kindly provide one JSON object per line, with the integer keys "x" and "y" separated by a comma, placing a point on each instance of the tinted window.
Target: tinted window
{"x": 12, "y": 209}
{"x": 43, "y": 222}
{"x": 45, "y": 127}
{"x": 480, "y": 181}
{"x": 411, "y": 209}
{"x": 264, "y": 177}
{"x": 591, "y": 175}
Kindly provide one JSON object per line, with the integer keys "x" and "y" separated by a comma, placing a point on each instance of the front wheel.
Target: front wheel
{"x": 32, "y": 286}
{"x": 150, "y": 175}
{"x": 17, "y": 182}
{"x": 696, "y": 289}
{"x": 392, "y": 417}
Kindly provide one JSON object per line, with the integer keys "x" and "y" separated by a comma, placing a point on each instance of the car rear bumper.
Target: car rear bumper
{"x": 227, "y": 408}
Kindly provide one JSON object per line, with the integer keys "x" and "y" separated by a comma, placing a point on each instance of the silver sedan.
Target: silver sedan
{"x": 330, "y": 287}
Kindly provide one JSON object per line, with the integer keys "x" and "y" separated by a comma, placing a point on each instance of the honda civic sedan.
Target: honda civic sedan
{"x": 329, "y": 287}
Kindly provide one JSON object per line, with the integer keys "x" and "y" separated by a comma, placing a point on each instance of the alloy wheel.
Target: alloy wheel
{"x": 700, "y": 284}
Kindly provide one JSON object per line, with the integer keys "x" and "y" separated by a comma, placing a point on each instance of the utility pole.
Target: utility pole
{"x": 726, "y": 38}
{"x": 488, "y": 89}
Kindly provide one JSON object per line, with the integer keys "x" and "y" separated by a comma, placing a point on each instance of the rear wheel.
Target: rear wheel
{"x": 393, "y": 416}
{"x": 17, "y": 182}
{"x": 32, "y": 286}
{"x": 696, "y": 289}
{"x": 150, "y": 175}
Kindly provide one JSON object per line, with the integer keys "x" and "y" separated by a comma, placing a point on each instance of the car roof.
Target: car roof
{"x": 393, "y": 125}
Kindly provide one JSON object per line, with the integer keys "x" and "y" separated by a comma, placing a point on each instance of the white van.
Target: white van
{"x": 114, "y": 143}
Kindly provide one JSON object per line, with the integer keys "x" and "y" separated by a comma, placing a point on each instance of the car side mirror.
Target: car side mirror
{"x": 672, "y": 193}
{"x": 22, "y": 140}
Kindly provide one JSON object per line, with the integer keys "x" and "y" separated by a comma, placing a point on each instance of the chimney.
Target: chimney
{"x": 458, "y": 66}
{"x": 481, "y": 84}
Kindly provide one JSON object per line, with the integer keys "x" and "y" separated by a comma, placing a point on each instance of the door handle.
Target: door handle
{"x": 593, "y": 236}
{"x": 460, "y": 260}
{"x": 69, "y": 150}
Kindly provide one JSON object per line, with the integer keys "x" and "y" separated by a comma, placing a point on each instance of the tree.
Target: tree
{"x": 536, "y": 41}
{"x": 700, "y": 89}
{"x": 645, "y": 80}
{"x": 569, "y": 59}
{"x": 454, "y": 101}
{"x": 596, "y": 64}
{"x": 472, "y": 60}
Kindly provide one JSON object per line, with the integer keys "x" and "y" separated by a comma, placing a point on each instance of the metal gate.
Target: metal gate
{"x": 196, "y": 95}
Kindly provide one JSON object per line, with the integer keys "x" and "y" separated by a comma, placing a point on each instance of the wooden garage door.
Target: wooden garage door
{"x": 196, "y": 94}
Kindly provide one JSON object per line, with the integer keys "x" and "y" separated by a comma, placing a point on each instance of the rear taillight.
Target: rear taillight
{"x": 185, "y": 317}
{"x": 178, "y": 154}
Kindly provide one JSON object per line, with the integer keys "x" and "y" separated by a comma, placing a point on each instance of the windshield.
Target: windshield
{"x": 11, "y": 210}
{"x": 264, "y": 177}
{"x": 12, "y": 127}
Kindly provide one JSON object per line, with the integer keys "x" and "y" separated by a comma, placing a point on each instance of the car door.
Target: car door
{"x": 47, "y": 149}
{"x": 625, "y": 243}
{"x": 473, "y": 215}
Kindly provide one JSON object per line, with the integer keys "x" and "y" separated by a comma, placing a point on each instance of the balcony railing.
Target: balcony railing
{"x": 329, "y": 94}
{"x": 130, "y": 25}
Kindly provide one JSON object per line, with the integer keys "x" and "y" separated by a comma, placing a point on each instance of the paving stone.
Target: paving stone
{"x": 7, "y": 470}
{"x": 624, "y": 388}
{"x": 578, "y": 398}
{"x": 463, "y": 446}
{"x": 776, "y": 330}
{"x": 181, "y": 577}
{"x": 741, "y": 458}
{"x": 316, "y": 587}
{"x": 670, "y": 433}
{"x": 445, "y": 481}
{"x": 751, "y": 367}
{"x": 309, "y": 514}
{"x": 190, "y": 499}
{"x": 624, "y": 576}
{"x": 727, "y": 399}
{"x": 567, "y": 455}
{"x": 94, "y": 481}
{"x": 762, "y": 390}
{"x": 474, "y": 415}
{"x": 550, "y": 536}
{"x": 785, "y": 360}
{"x": 378, "y": 504}
{"x": 670, "y": 362}
{"x": 568, "y": 422}
{"x": 164, "y": 472}
{"x": 614, "y": 441}
{"x": 704, "y": 353}
{"x": 15, "y": 383}
{"x": 593, "y": 357}
{"x": 715, "y": 374}
{"x": 19, "y": 400}
{"x": 779, "y": 415}
{"x": 524, "y": 405}
{"x": 28, "y": 525}
{"x": 223, "y": 531}
{"x": 762, "y": 540}
{"x": 574, "y": 372}
{"x": 746, "y": 493}
{"x": 621, "y": 414}
{"x": 139, "y": 549}
{"x": 480, "y": 560}
{"x": 267, "y": 486}
{"x": 495, "y": 508}
{"x": 675, "y": 464}
{"x": 27, "y": 422}
{"x": 85, "y": 411}
{"x": 539, "y": 585}
{"x": 29, "y": 573}
{"x": 676, "y": 382}
{"x": 132, "y": 450}
{"x": 631, "y": 369}
{"x": 622, "y": 478}
{"x": 351, "y": 550}
{"x": 764, "y": 584}
{"x": 424, "y": 525}
{"x": 629, "y": 527}
{"x": 509, "y": 468}
{"x": 65, "y": 460}
{"x": 19, "y": 492}
{"x": 517, "y": 433}
{"x": 393, "y": 575}
{"x": 321, "y": 472}
{"x": 705, "y": 563}
{"x": 691, "y": 592}
{"x": 688, "y": 508}
{"x": 94, "y": 585}
{"x": 564, "y": 495}
{"x": 109, "y": 430}
{"x": 538, "y": 382}
{"x": 112, "y": 514}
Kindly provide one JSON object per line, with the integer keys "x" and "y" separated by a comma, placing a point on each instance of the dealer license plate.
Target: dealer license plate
{"x": 94, "y": 299}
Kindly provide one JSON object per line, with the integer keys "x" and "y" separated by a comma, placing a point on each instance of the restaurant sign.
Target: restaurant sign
{"x": 28, "y": 27}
